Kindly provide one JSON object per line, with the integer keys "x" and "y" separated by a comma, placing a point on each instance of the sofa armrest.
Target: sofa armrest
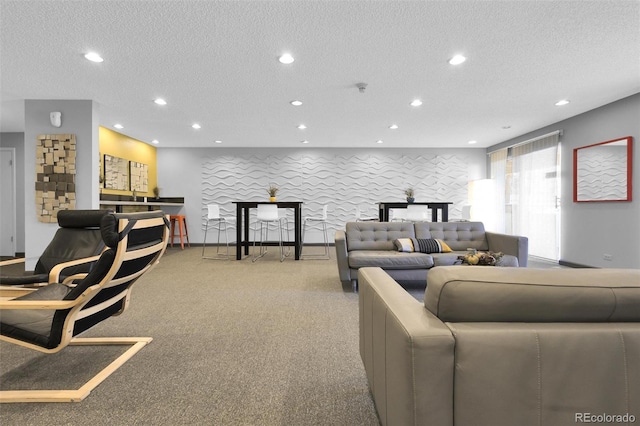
{"x": 510, "y": 244}
{"x": 342, "y": 256}
{"x": 408, "y": 354}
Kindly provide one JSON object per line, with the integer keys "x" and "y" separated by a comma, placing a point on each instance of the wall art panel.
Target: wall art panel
{"x": 55, "y": 175}
{"x": 342, "y": 181}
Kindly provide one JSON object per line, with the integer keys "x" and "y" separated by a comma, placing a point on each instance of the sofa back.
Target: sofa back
{"x": 376, "y": 235}
{"x": 460, "y": 236}
{"x": 489, "y": 294}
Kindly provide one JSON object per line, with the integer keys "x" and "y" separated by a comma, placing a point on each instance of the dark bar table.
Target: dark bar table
{"x": 435, "y": 206}
{"x": 242, "y": 224}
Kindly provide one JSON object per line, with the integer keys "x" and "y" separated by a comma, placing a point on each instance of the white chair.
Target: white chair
{"x": 283, "y": 215}
{"x": 267, "y": 214}
{"x": 466, "y": 213}
{"x": 214, "y": 220}
{"x": 361, "y": 218}
{"x": 320, "y": 221}
{"x": 397, "y": 215}
{"x": 416, "y": 213}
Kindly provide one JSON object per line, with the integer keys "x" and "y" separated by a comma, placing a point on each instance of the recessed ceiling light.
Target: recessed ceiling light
{"x": 155, "y": 141}
{"x": 379, "y": 141}
{"x": 301, "y": 126}
{"x": 304, "y": 141}
{"x": 472, "y": 142}
{"x": 562, "y": 102}
{"x": 416, "y": 102}
{"x": 393, "y": 126}
{"x": 286, "y": 59}
{"x": 457, "y": 60}
{"x": 93, "y": 57}
{"x": 218, "y": 141}
{"x": 160, "y": 101}
{"x": 296, "y": 103}
{"x": 118, "y": 126}
{"x": 196, "y": 126}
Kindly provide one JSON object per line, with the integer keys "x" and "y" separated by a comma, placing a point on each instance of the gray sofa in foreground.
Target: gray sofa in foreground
{"x": 370, "y": 244}
{"x": 503, "y": 347}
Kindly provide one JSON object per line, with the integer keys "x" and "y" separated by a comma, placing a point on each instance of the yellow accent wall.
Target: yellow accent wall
{"x": 119, "y": 145}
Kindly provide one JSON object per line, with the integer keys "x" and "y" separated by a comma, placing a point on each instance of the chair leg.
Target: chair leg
{"x": 77, "y": 395}
{"x": 219, "y": 229}
{"x": 327, "y": 252}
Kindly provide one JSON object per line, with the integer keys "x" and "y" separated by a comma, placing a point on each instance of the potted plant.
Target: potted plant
{"x": 409, "y": 193}
{"x": 156, "y": 192}
{"x": 272, "y": 190}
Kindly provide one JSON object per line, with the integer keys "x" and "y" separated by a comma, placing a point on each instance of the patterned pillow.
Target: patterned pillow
{"x": 404, "y": 245}
{"x": 424, "y": 245}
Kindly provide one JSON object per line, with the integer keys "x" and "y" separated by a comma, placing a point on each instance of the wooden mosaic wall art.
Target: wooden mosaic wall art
{"x": 139, "y": 176}
{"x": 116, "y": 173}
{"x": 55, "y": 175}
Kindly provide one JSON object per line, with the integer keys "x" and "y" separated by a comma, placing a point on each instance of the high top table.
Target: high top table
{"x": 242, "y": 224}
{"x": 435, "y": 206}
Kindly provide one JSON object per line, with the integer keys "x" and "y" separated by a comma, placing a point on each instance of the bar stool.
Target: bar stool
{"x": 416, "y": 213}
{"x": 267, "y": 214}
{"x": 317, "y": 221}
{"x": 219, "y": 223}
{"x": 182, "y": 229}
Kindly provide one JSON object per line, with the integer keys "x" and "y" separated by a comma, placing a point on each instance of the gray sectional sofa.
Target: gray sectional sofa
{"x": 371, "y": 244}
{"x": 503, "y": 346}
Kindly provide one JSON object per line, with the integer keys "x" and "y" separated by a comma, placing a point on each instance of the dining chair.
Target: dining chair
{"x": 417, "y": 213}
{"x": 219, "y": 223}
{"x": 362, "y": 218}
{"x": 397, "y": 215}
{"x": 320, "y": 221}
{"x": 267, "y": 214}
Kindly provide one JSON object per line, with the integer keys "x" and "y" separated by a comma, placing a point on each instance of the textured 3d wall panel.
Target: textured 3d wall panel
{"x": 341, "y": 181}
{"x": 55, "y": 175}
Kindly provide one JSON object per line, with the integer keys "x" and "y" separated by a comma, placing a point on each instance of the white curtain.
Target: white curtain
{"x": 498, "y": 170}
{"x": 533, "y": 195}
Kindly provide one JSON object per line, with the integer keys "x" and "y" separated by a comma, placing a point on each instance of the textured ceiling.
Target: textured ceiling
{"x": 216, "y": 64}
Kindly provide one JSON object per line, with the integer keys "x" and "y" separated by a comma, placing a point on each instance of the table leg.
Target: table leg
{"x": 298, "y": 231}
{"x": 246, "y": 231}
{"x": 238, "y": 232}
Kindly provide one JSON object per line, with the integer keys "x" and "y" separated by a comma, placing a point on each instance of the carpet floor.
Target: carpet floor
{"x": 234, "y": 343}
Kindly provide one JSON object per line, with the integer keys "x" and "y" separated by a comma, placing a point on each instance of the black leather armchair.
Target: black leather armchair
{"x": 50, "y": 318}
{"x": 78, "y": 237}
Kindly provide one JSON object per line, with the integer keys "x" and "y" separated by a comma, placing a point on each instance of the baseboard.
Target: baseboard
{"x": 573, "y": 265}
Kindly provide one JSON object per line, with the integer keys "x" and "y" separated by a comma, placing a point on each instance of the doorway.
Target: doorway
{"x": 8, "y": 203}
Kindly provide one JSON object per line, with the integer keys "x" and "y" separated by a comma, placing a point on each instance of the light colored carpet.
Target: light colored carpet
{"x": 235, "y": 343}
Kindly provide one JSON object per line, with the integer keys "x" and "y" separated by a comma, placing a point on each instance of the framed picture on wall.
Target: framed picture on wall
{"x": 116, "y": 173}
{"x": 139, "y": 173}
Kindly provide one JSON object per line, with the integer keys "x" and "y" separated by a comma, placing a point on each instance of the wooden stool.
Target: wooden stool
{"x": 182, "y": 229}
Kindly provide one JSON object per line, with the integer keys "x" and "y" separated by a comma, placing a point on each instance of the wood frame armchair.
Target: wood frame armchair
{"x": 50, "y": 318}
{"x": 78, "y": 237}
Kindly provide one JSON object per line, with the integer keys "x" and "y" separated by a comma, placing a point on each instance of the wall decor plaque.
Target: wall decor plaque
{"x": 116, "y": 173}
{"x": 55, "y": 175}
{"x": 139, "y": 173}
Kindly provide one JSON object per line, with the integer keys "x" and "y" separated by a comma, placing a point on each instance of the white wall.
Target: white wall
{"x": 342, "y": 178}
{"x": 589, "y": 230}
{"x": 16, "y": 141}
{"x": 79, "y": 118}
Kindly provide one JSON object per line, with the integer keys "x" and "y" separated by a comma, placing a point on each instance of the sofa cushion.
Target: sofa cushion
{"x": 376, "y": 235}
{"x": 458, "y": 235}
{"x": 472, "y": 293}
{"x": 389, "y": 259}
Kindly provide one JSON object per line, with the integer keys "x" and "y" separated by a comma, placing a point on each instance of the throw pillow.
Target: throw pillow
{"x": 404, "y": 244}
{"x": 431, "y": 246}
